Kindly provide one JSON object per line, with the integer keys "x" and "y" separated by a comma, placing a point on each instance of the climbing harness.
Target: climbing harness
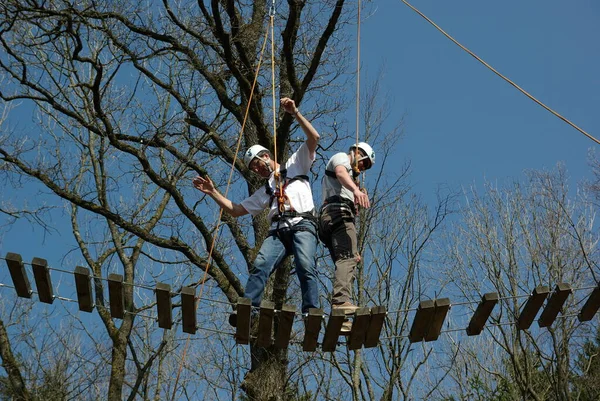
{"x": 332, "y": 174}
{"x": 343, "y": 203}
{"x": 282, "y": 199}
{"x": 280, "y": 187}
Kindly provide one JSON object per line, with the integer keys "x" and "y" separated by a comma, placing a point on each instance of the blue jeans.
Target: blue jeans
{"x": 300, "y": 241}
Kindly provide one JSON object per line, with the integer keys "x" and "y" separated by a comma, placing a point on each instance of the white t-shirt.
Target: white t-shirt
{"x": 298, "y": 192}
{"x": 331, "y": 186}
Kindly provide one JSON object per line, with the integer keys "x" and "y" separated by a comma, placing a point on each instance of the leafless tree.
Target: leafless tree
{"x": 128, "y": 102}
{"x": 509, "y": 241}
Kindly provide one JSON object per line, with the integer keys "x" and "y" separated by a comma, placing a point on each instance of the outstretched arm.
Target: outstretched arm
{"x": 206, "y": 185}
{"x": 312, "y": 136}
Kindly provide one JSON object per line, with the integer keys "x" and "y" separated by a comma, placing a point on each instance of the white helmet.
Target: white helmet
{"x": 253, "y": 152}
{"x": 365, "y": 147}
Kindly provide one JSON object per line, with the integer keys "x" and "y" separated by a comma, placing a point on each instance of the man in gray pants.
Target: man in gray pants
{"x": 336, "y": 222}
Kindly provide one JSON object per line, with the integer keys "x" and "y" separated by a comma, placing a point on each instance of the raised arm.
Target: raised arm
{"x": 206, "y": 185}
{"x": 312, "y": 136}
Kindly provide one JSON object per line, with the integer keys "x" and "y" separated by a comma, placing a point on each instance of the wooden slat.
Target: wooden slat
{"x": 242, "y": 329}
{"x": 359, "y": 328}
{"x": 532, "y": 307}
{"x": 591, "y": 306}
{"x": 164, "y": 305}
{"x": 18, "y": 275}
{"x": 188, "y": 310}
{"x": 482, "y": 313}
{"x": 442, "y": 305}
{"x": 378, "y": 314}
{"x": 312, "y": 327}
{"x": 83, "y": 285}
{"x": 332, "y": 331}
{"x": 284, "y": 326}
{"x": 115, "y": 296}
{"x": 421, "y": 320}
{"x": 554, "y": 304}
{"x": 43, "y": 283}
{"x": 265, "y": 324}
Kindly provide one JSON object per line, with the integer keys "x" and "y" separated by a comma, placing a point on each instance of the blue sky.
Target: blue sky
{"x": 465, "y": 124}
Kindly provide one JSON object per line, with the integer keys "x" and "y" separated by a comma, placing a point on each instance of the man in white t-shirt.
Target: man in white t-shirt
{"x": 337, "y": 230}
{"x": 288, "y": 197}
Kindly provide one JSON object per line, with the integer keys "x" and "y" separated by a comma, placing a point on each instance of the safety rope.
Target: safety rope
{"x": 279, "y": 184}
{"x": 356, "y": 153}
{"x": 500, "y": 75}
{"x": 299, "y": 318}
{"x": 216, "y": 233}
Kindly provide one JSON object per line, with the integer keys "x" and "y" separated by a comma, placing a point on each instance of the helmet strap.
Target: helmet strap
{"x": 356, "y": 157}
{"x": 266, "y": 163}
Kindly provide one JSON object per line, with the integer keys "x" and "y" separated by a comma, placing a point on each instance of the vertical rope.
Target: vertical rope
{"x": 355, "y": 168}
{"x": 217, "y": 228}
{"x": 273, "y": 92}
{"x": 278, "y": 181}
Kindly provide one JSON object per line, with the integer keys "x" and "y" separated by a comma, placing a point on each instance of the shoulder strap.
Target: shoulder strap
{"x": 283, "y": 173}
{"x": 332, "y": 174}
{"x": 268, "y": 188}
{"x": 298, "y": 177}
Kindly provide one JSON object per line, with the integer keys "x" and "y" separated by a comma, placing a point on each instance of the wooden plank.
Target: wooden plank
{"x": 312, "y": 326}
{"x": 83, "y": 286}
{"x": 43, "y": 282}
{"x": 359, "y": 328}
{"x": 242, "y": 327}
{"x": 378, "y": 314}
{"x": 164, "y": 305}
{"x": 332, "y": 331}
{"x": 18, "y": 274}
{"x": 265, "y": 324}
{"x": 532, "y": 307}
{"x": 442, "y": 306}
{"x": 591, "y": 306}
{"x": 284, "y": 326}
{"x": 421, "y": 320}
{"x": 188, "y": 310}
{"x": 482, "y": 313}
{"x": 115, "y": 296}
{"x": 554, "y": 304}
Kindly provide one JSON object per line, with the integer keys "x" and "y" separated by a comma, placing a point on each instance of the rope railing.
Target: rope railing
{"x": 302, "y": 318}
{"x": 232, "y": 304}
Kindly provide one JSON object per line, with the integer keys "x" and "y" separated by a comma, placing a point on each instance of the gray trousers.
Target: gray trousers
{"x": 338, "y": 232}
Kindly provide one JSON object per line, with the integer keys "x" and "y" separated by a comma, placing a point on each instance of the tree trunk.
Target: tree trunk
{"x": 267, "y": 377}
{"x": 10, "y": 364}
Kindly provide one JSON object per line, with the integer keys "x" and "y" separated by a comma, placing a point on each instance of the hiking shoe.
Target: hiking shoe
{"x": 347, "y": 307}
{"x": 233, "y": 319}
{"x": 346, "y": 328}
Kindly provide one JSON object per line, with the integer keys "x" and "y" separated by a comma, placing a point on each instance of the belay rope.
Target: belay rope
{"x": 279, "y": 183}
{"x": 216, "y": 232}
{"x": 355, "y": 170}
